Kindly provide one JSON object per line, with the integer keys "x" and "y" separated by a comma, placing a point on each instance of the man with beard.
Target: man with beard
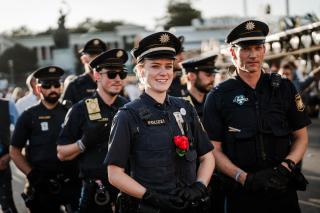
{"x": 200, "y": 73}
{"x": 87, "y": 127}
{"x": 84, "y": 85}
{"x": 51, "y": 183}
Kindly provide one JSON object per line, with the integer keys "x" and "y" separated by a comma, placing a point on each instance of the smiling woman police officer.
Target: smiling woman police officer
{"x": 160, "y": 136}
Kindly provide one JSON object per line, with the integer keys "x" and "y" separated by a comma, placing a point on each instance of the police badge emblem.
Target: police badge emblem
{"x": 240, "y": 99}
{"x": 299, "y": 103}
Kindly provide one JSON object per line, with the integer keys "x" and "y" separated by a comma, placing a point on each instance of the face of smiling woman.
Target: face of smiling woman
{"x": 156, "y": 75}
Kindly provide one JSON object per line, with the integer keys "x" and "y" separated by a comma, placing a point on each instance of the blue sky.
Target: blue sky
{"x": 40, "y": 14}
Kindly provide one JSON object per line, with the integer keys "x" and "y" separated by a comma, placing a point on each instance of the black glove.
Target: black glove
{"x": 279, "y": 179}
{"x": 258, "y": 181}
{"x": 298, "y": 181}
{"x": 93, "y": 134}
{"x": 165, "y": 202}
{"x": 194, "y": 192}
{"x": 35, "y": 178}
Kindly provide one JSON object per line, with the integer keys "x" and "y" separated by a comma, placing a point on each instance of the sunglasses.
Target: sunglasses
{"x": 50, "y": 84}
{"x": 113, "y": 74}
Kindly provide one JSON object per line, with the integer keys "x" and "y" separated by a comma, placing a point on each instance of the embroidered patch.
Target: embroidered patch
{"x": 156, "y": 122}
{"x": 44, "y": 126}
{"x": 240, "y": 99}
{"x": 299, "y": 103}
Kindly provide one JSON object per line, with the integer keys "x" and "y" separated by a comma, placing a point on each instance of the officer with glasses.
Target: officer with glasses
{"x": 86, "y": 131}
{"x": 51, "y": 183}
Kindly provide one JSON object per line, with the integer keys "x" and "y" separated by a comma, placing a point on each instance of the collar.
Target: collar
{"x": 147, "y": 99}
{"x": 259, "y": 83}
{"x": 115, "y": 104}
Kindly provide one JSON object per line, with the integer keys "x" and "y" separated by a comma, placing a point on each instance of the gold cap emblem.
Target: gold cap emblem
{"x": 119, "y": 54}
{"x": 164, "y": 38}
{"x": 96, "y": 42}
{"x": 250, "y": 26}
{"x": 52, "y": 69}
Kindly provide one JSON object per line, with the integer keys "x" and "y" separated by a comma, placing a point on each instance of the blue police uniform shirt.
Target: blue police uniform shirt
{"x": 40, "y": 127}
{"x": 75, "y": 124}
{"x": 156, "y": 136}
{"x": 81, "y": 87}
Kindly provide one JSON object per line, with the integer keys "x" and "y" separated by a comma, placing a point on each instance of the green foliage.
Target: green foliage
{"x": 24, "y": 61}
{"x": 180, "y": 14}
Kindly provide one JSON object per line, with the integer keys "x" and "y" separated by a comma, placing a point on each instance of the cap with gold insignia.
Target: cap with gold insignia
{"x": 157, "y": 45}
{"x": 48, "y": 73}
{"x": 203, "y": 63}
{"x": 115, "y": 58}
{"x": 93, "y": 46}
{"x": 251, "y": 32}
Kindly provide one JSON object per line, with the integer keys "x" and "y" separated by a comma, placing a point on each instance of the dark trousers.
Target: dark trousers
{"x": 242, "y": 201}
{"x": 44, "y": 200}
{"x": 6, "y": 199}
{"x": 88, "y": 198}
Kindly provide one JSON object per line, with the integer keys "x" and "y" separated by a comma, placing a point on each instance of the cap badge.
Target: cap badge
{"x": 96, "y": 42}
{"x": 52, "y": 69}
{"x": 164, "y": 38}
{"x": 119, "y": 54}
{"x": 250, "y": 26}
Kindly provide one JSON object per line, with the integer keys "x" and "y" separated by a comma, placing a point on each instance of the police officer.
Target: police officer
{"x": 258, "y": 125}
{"x": 178, "y": 87}
{"x": 200, "y": 73}
{"x": 84, "y": 85}
{"x": 160, "y": 137}
{"x": 9, "y": 115}
{"x": 50, "y": 182}
{"x": 87, "y": 128}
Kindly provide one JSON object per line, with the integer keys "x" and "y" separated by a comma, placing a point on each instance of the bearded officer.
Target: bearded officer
{"x": 51, "y": 183}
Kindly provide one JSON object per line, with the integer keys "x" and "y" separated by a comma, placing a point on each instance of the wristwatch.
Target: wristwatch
{"x": 290, "y": 163}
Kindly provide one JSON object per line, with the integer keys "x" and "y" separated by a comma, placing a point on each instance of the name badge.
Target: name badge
{"x": 93, "y": 109}
{"x": 156, "y": 122}
{"x": 179, "y": 120}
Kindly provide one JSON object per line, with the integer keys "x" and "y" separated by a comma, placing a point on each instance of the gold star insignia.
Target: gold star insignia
{"x": 52, "y": 69}
{"x": 250, "y": 26}
{"x": 96, "y": 42}
{"x": 164, "y": 38}
{"x": 119, "y": 54}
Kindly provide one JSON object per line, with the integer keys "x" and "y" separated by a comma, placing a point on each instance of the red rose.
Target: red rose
{"x": 181, "y": 142}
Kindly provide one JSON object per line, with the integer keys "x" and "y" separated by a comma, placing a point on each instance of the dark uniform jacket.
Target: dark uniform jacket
{"x": 143, "y": 133}
{"x": 4, "y": 127}
{"x": 254, "y": 125}
{"x": 38, "y": 129}
{"x": 78, "y": 119}
{"x": 81, "y": 87}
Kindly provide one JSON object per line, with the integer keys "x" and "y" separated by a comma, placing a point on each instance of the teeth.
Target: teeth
{"x": 162, "y": 80}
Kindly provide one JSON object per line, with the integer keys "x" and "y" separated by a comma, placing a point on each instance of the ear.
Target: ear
{"x": 96, "y": 75}
{"x": 85, "y": 59}
{"x": 38, "y": 88}
{"x": 191, "y": 76}
{"x": 233, "y": 53}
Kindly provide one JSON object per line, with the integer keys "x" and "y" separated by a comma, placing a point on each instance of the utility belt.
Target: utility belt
{"x": 128, "y": 204}
{"x": 97, "y": 189}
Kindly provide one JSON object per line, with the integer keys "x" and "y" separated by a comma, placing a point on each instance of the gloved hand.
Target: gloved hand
{"x": 93, "y": 134}
{"x": 194, "y": 192}
{"x": 35, "y": 178}
{"x": 258, "y": 181}
{"x": 165, "y": 202}
{"x": 279, "y": 179}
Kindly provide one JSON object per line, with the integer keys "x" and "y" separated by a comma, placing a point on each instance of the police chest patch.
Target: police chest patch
{"x": 44, "y": 126}
{"x": 299, "y": 103}
{"x": 240, "y": 99}
{"x": 156, "y": 122}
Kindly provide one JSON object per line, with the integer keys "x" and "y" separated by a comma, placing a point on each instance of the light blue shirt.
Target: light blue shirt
{"x": 13, "y": 112}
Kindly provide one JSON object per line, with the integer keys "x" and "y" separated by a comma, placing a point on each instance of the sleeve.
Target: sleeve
{"x": 202, "y": 141}
{"x": 212, "y": 120}
{"x": 297, "y": 115}
{"x": 13, "y": 113}
{"x": 119, "y": 140}
{"x": 22, "y": 130}
{"x": 73, "y": 125}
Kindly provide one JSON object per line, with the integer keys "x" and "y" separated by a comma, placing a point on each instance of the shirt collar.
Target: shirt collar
{"x": 150, "y": 101}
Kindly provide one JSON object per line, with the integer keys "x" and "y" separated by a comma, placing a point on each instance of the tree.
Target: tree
{"x": 180, "y": 14}
{"x": 23, "y": 61}
{"x": 21, "y": 32}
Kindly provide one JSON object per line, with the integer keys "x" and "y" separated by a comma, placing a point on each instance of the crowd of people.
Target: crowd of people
{"x": 189, "y": 136}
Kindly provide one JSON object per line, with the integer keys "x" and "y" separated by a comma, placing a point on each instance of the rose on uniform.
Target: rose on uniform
{"x": 182, "y": 144}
